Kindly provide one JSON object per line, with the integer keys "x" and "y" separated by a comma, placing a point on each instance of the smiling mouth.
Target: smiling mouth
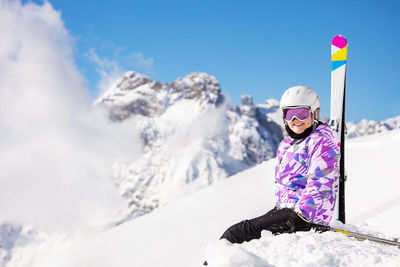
{"x": 298, "y": 125}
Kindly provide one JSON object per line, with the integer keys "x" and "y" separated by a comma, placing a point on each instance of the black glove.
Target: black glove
{"x": 319, "y": 228}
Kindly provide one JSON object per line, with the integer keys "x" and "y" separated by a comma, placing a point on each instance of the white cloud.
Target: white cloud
{"x": 120, "y": 62}
{"x": 140, "y": 61}
{"x": 56, "y": 148}
{"x": 109, "y": 70}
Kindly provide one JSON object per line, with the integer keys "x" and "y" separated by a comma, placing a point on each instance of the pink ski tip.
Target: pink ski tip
{"x": 339, "y": 41}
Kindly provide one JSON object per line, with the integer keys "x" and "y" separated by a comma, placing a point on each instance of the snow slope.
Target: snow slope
{"x": 186, "y": 231}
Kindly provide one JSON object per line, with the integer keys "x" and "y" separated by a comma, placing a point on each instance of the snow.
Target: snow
{"x": 185, "y": 226}
{"x": 186, "y": 232}
{"x": 302, "y": 249}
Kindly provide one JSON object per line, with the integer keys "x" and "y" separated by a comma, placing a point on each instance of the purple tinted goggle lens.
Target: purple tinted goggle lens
{"x": 301, "y": 113}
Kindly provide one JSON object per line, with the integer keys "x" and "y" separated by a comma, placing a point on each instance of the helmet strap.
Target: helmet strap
{"x": 316, "y": 113}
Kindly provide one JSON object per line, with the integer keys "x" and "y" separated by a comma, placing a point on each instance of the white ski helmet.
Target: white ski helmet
{"x": 301, "y": 96}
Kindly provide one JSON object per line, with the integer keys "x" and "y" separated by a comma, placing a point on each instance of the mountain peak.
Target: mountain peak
{"x": 134, "y": 93}
{"x": 131, "y": 80}
{"x": 198, "y": 85}
{"x": 246, "y": 100}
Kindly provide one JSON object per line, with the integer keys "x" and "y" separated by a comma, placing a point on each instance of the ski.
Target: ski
{"x": 337, "y": 122}
{"x": 358, "y": 236}
{"x": 362, "y": 237}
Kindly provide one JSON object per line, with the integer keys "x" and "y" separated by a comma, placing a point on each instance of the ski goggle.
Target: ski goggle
{"x": 300, "y": 113}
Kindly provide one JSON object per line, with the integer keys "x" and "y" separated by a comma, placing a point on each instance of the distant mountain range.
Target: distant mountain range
{"x": 191, "y": 137}
{"x": 368, "y": 127}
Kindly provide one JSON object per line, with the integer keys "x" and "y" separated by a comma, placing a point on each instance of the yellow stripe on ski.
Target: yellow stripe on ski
{"x": 342, "y": 231}
{"x": 340, "y": 55}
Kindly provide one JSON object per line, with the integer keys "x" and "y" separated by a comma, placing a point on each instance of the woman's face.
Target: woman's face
{"x": 299, "y": 126}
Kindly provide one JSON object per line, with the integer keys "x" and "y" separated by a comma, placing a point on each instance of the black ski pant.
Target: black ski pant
{"x": 276, "y": 221}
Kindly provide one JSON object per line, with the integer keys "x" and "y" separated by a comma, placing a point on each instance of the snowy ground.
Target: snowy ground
{"x": 186, "y": 232}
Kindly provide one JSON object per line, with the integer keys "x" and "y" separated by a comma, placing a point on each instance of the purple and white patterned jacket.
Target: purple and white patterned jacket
{"x": 307, "y": 174}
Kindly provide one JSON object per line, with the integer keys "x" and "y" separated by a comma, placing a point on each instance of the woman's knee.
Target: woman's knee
{"x": 231, "y": 234}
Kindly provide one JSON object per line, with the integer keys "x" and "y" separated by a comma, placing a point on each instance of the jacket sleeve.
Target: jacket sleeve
{"x": 317, "y": 200}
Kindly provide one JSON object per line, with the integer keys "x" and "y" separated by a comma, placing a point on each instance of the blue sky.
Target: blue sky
{"x": 252, "y": 47}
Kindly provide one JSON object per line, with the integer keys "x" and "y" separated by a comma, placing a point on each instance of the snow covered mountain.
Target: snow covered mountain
{"x": 190, "y": 136}
{"x": 136, "y": 94}
{"x": 368, "y": 127}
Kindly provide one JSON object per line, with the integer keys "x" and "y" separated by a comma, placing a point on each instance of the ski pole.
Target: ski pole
{"x": 358, "y": 236}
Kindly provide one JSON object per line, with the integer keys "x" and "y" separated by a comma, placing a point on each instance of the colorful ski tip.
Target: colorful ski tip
{"x": 339, "y": 41}
{"x": 339, "y": 51}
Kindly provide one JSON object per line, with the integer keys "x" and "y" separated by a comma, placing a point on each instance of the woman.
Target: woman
{"x": 306, "y": 174}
